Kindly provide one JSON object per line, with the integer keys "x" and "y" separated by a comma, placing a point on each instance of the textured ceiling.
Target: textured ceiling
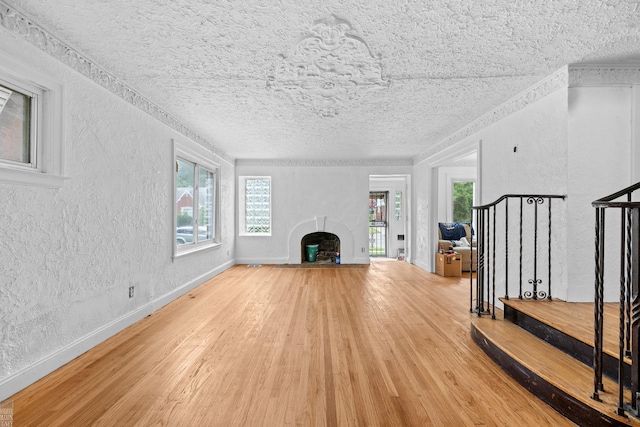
{"x": 437, "y": 65}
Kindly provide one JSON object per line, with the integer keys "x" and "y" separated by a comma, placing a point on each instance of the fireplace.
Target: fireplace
{"x": 328, "y": 245}
{"x": 322, "y": 224}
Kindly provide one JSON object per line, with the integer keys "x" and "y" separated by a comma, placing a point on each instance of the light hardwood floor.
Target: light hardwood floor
{"x": 384, "y": 345}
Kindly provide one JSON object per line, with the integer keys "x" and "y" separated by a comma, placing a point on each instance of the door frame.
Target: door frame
{"x": 400, "y": 227}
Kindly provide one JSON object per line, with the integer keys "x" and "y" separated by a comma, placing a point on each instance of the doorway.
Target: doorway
{"x": 378, "y": 223}
{"x": 446, "y": 172}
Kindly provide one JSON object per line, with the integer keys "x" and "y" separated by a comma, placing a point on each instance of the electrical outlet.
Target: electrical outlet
{"x": 130, "y": 291}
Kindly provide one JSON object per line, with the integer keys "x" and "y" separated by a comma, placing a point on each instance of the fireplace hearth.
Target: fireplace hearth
{"x": 328, "y": 246}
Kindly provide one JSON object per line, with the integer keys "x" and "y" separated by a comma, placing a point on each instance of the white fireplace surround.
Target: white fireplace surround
{"x": 321, "y": 223}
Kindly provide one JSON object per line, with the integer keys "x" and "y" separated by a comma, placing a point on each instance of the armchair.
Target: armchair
{"x": 461, "y": 237}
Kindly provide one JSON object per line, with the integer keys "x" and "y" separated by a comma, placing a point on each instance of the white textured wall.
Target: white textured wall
{"x": 581, "y": 141}
{"x": 600, "y": 161}
{"x": 423, "y": 237}
{"x": 539, "y": 130}
{"x": 302, "y": 193}
{"x": 69, "y": 255}
{"x": 539, "y": 166}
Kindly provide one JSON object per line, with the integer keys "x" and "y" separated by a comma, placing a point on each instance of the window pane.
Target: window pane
{"x": 377, "y": 207}
{"x": 205, "y": 202}
{"x": 378, "y": 223}
{"x": 398, "y": 205}
{"x": 462, "y": 201}
{"x": 15, "y": 125}
{"x": 184, "y": 201}
{"x": 257, "y": 205}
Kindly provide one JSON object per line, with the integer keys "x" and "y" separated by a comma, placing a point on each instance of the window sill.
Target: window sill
{"x": 31, "y": 178}
{"x": 196, "y": 249}
{"x": 254, "y": 235}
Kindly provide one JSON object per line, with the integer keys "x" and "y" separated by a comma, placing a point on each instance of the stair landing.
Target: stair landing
{"x": 557, "y": 377}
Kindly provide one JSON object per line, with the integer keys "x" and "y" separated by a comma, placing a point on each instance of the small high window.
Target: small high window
{"x": 255, "y": 205}
{"x": 398, "y": 205}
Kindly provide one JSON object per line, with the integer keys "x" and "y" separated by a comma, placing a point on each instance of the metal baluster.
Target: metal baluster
{"x": 506, "y": 249}
{"x": 520, "y": 264}
{"x": 535, "y": 249}
{"x": 620, "y": 409}
{"x": 635, "y": 315}
{"x": 471, "y": 271}
{"x": 493, "y": 273}
{"x": 629, "y": 297}
{"x": 533, "y": 294}
{"x": 478, "y": 278}
{"x": 597, "y": 312}
{"x": 549, "y": 277}
{"x": 488, "y": 252}
{"x": 480, "y": 272}
{"x": 628, "y": 281}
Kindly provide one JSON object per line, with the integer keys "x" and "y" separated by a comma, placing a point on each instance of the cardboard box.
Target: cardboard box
{"x": 449, "y": 266}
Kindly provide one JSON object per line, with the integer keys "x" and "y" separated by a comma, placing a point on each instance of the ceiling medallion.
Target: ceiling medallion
{"x": 328, "y": 69}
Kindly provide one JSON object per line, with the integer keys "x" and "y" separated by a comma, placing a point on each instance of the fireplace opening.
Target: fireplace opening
{"x": 328, "y": 246}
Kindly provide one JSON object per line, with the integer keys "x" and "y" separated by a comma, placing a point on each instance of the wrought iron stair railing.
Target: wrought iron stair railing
{"x": 628, "y": 259}
{"x": 492, "y": 265}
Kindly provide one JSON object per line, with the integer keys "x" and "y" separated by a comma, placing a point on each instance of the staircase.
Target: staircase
{"x": 552, "y": 359}
{"x": 580, "y": 366}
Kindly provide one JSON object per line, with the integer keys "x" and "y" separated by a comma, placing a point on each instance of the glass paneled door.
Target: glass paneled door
{"x": 378, "y": 223}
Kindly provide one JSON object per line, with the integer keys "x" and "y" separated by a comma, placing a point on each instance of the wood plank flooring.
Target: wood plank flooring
{"x": 387, "y": 345}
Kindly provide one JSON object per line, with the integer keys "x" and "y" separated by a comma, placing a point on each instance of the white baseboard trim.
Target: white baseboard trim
{"x": 423, "y": 266}
{"x": 174, "y": 294}
{"x": 32, "y": 373}
{"x": 265, "y": 261}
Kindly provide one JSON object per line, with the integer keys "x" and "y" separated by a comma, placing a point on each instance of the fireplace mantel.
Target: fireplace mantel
{"x": 321, "y": 223}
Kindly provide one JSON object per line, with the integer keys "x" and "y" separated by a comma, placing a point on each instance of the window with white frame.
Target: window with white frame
{"x": 196, "y": 210}
{"x": 31, "y": 143}
{"x": 255, "y": 205}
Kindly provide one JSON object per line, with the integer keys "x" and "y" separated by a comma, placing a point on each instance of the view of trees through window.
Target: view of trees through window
{"x": 462, "y": 201}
